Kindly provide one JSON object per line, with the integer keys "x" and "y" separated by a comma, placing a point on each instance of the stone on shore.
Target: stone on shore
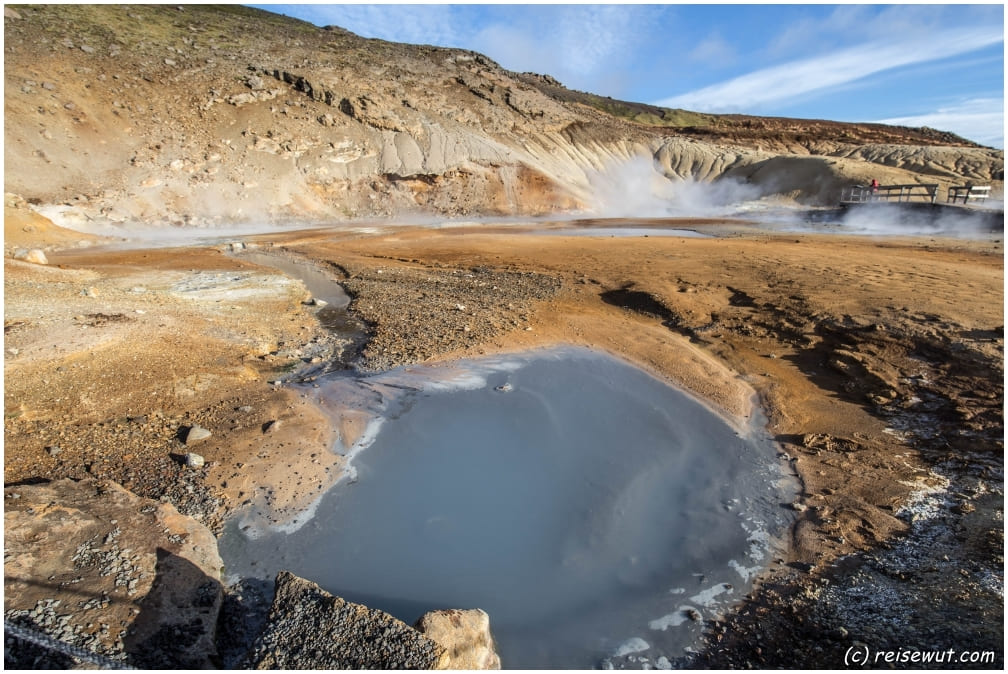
{"x": 34, "y": 255}
{"x": 95, "y": 566}
{"x": 465, "y": 636}
{"x": 196, "y": 434}
{"x": 308, "y": 628}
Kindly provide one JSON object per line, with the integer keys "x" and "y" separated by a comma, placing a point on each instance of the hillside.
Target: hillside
{"x": 748, "y": 128}
{"x": 200, "y": 114}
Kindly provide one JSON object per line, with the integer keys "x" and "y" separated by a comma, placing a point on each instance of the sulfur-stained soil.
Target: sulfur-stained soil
{"x": 878, "y": 363}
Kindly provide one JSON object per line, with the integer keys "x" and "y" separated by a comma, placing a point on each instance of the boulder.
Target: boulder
{"x": 35, "y": 256}
{"x": 95, "y": 566}
{"x": 308, "y": 628}
{"x": 196, "y": 434}
{"x": 465, "y": 636}
{"x": 193, "y": 460}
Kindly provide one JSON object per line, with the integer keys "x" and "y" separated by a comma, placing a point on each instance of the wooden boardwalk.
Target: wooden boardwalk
{"x": 968, "y": 192}
{"x": 917, "y": 193}
{"x": 861, "y": 194}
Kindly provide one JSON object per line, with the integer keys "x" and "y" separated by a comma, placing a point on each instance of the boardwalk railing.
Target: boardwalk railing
{"x": 968, "y": 193}
{"x": 860, "y": 194}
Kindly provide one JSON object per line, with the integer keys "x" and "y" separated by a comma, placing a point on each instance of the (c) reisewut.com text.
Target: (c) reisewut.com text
{"x": 862, "y": 655}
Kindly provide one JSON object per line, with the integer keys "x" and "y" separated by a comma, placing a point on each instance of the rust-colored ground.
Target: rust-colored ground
{"x": 868, "y": 355}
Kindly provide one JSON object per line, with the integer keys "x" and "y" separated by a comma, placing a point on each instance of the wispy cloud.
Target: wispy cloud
{"x": 803, "y": 76}
{"x": 980, "y": 120}
{"x": 581, "y": 45}
{"x": 553, "y": 39}
{"x": 714, "y": 49}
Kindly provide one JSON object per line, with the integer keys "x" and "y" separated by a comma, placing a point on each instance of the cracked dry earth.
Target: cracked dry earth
{"x": 878, "y": 362}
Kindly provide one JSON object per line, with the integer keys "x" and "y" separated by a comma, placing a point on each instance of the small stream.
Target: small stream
{"x": 596, "y": 513}
{"x": 333, "y": 315}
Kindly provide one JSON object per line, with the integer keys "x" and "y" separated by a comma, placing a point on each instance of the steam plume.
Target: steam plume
{"x": 635, "y": 188}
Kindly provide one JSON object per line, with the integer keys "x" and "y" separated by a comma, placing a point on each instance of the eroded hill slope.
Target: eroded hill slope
{"x": 199, "y": 114}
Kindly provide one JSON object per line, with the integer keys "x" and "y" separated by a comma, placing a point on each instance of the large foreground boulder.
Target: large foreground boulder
{"x": 465, "y": 636}
{"x": 308, "y": 628}
{"x": 97, "y": 567}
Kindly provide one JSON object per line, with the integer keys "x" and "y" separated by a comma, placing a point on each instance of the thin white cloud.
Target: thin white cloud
{"x": 980, "y": 120}
{"x": 796, "y": 78}
{"x": 820, "y": 32}
{"x": 714, "y": 49}
{"x": 609, "y": 30}
{"x": 577, "y": 44}
{"x": 440, "y": 25}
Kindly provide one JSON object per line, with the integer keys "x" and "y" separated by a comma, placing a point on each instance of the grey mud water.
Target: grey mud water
{"x": 597, "y": 514}
{"x": 331, "y": 300}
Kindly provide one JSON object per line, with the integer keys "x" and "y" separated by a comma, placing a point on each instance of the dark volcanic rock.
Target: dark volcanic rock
{"x": 309, "y": 628}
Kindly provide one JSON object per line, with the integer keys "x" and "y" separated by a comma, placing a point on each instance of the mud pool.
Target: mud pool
{"x": 597, "y": 514}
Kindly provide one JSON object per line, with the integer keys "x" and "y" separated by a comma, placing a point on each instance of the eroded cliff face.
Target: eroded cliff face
{"x": 199, "y": 115}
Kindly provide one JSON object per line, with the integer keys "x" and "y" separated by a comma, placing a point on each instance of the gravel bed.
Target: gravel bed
{"x": 415, "y": 314}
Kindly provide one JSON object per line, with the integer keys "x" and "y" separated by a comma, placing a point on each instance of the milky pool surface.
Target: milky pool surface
{"x": 588, "y": 507}
{"x": 621, "y": 232}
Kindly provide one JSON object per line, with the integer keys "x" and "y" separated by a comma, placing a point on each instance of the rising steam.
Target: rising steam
{"x": 923, "y": 220}
{"x": 635, "y": 188}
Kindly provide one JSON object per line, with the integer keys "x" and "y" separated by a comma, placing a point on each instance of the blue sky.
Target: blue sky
{"x": 920, "y": 65}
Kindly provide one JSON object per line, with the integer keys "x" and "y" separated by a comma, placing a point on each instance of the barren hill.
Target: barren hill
{"x": 201, "y": 114}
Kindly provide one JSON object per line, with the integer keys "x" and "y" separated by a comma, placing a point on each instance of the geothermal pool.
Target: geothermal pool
{"x": 592, "y": 510}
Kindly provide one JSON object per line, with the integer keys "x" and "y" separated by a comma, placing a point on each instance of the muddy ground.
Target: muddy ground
{"x": 878, "y": 362}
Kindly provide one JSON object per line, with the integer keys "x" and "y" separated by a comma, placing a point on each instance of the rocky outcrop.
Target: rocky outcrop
{"x": 484, "y": 303}
{"x": 95, "y": 566}
{"x": 25, "y": 230}
{"x": 309, "y": 628}
{"x": 34, "y": 255}
{"x": 118, "y": 579}
{"x": 465, "y": 635}
{"x": 684, "y": 158}
{"x": 958, "y": 164}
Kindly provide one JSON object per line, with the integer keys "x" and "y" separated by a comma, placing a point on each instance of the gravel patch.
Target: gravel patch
{"x": 415, "y": 314}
